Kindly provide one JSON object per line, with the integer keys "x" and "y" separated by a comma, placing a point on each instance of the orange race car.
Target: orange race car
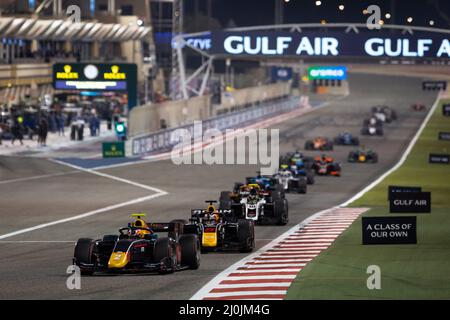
{"x": 319, "y": 143}
{"x": 325, "y": 165}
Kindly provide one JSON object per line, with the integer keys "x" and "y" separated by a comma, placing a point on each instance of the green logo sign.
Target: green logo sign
{"x": 113, "y": 149}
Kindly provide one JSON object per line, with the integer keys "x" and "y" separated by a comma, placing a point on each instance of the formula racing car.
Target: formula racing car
{"x": 220, "y": 230}
{"x": 319, "y": 143}
{"x": 372, "y": 127}
{"x": 346, "y": 139}
{"x": 384, "y": 113}
{"x": 299, "y": 165}
{"x": 325, "y": 165}
{"x": 291, "y": 180}
{"x": 138, "y": 247}
{"x": 251, "y": 202}
{"x": 362, "y": 156}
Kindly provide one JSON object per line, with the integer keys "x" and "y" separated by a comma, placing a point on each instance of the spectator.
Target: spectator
{"x": 42, "y": 132}
{"x": 17, "y": 132}
{"x": 60, "y": 121}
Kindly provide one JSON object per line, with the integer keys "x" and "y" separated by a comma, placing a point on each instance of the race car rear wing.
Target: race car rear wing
{"x": 162, "y": 226}
{"x": 199, "y": 212}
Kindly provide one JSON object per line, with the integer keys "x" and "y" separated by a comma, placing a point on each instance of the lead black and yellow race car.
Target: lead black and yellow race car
{"x": 362, "y": 156}
{"x": 139, "y": 247}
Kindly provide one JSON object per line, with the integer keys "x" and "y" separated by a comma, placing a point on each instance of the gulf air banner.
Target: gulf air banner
{"x": 332, "y": 44}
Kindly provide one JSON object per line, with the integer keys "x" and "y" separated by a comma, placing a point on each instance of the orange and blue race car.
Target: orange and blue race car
{"x": 319, "y": 143}
{"x": 138, "y": 247}
{"x": 325, "y": 165}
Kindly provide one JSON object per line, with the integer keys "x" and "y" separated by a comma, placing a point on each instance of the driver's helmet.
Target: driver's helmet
{"x": 138, "y": 224}
{"x": 253, "y": 193}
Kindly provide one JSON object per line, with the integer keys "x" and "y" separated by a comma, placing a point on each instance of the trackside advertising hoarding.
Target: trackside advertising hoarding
{"x": 332, "y": 44}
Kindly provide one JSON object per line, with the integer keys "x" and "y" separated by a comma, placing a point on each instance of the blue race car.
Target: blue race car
{"x": 346, "y": 139}
{"x": 299, "y": 165}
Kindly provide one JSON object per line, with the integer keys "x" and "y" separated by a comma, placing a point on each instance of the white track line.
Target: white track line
{"x": 38, "y": 177}
{"x": 158, "y": 193}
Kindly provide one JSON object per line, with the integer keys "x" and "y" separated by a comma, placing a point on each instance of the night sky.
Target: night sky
{"x": 261, "y": 12}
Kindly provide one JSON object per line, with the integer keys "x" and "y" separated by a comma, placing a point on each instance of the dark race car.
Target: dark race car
{"x": 384, "y": 113}
{"x": 221, "y": 230}
{"x": 362, "y": 156}
{"x": 319, "y": 143}
{"x": 418, "y": 107}
{"x": 138, "y": 247}
{"x": 325, "y": 165}
{"x": 372, "y": 127}
{"x": 346, "y": 139}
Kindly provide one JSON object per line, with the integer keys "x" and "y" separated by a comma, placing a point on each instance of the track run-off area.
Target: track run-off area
{"x": 46, "y": 206}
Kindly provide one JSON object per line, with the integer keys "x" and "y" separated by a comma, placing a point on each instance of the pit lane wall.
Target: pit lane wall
{"x": 160, "y": 141}
{"x": 146, "y": 119}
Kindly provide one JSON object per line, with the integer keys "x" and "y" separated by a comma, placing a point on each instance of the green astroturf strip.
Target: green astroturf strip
{"x": 419, "y": 271}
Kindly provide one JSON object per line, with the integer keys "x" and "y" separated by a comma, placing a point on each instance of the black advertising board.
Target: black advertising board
{"x": 446, "y": 110}
{"x": 397, "y": 189}
{"x": 444, "y": 135}
{"x": 439, "y": 158}
{"x": 434, "y": 85}
{"x": 410, "y": 202}
{"x": 389, "y": 230}
{"x": 107, "y": 77}
{"x": 330, "y": 44}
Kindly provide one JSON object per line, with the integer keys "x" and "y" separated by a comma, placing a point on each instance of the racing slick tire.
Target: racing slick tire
{"x": 225, "y": 200}
{"x": 281, "y": 190}
{"x": 355, "y": 141}
{"x": 246, "y": 235}
{"x": 164, "y": 250}
{"x": 309, "y": 145}
{"x": 380, "y": 131}
{"x": 84, "y": 254}
{"x": 181, "y": 223}
{"x": 310, "y": 177}
{"x": 374, "y": 158}
{"x": 352, "y": 157}
{"x": 190, "y": 251}
{"x": 281, "y": 212}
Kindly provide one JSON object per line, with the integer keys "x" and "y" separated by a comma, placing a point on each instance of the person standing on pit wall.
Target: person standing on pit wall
{"x": 42, "y": 132}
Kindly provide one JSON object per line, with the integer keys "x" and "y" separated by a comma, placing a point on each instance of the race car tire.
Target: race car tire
{"x": 310, "y": 177}
{"x": 309, "y": 145}
{"x": 246, "y": 235}
{"x": 84, "y": 254}
{"x": 276, "y": 196}
{"x": 302, "y": 189}
{"x": 225, "y": 200}
{"x": 337, "y": 141}
{"x": 374, "y": 158}
{"x": 110, "y": 237}
{"x": 356, "y": 141}
{"x": 180, "y": 223}
{"x": 190, "y": 251}
{"x": 163, "y": 249}
{"x": 280, "y": 189}
{"x": 329, "y": 146}
{"x": 380, "y": 131}
{"x": 281, "y": 212}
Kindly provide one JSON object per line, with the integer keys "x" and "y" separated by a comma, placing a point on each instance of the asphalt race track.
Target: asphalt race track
{"x": 35, "y": 191}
